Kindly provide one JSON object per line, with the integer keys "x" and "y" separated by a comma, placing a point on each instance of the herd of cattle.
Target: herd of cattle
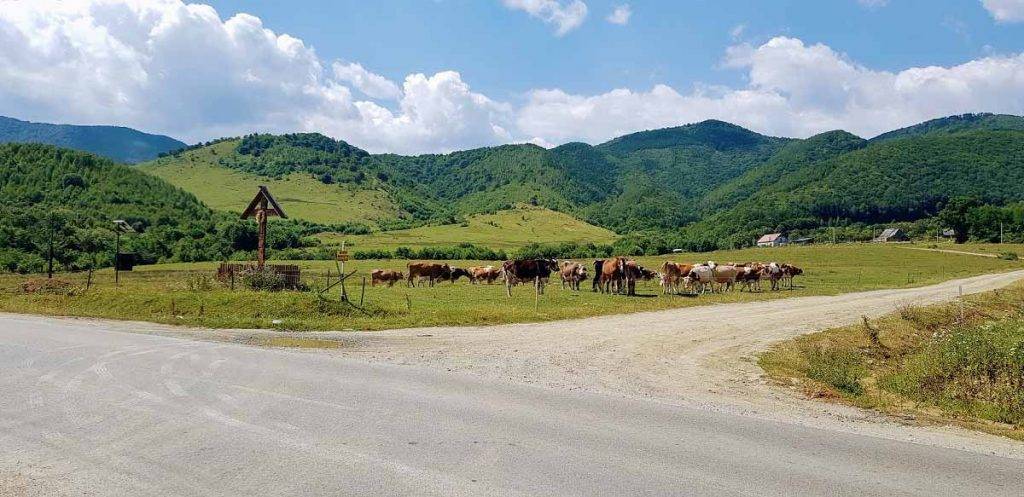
{"x": 614, "y": 275}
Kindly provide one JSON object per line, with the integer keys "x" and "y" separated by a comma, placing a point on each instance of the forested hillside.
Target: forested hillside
{"x": 114, "y": 142}
{"x": 699, "y": 186}
{"x": 70, "y": 198}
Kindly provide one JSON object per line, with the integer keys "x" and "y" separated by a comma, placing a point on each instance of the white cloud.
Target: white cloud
{"x": 1005, "y": 10}
{"x": 169, "y": 67}
{"x": 564, "y": 15}
{"x": 372, "y": 85}
{"x": 620, "y": 15}
{"x": 794, "y": 89}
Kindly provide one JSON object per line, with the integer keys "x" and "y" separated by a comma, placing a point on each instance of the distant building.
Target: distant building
{"x": 802, "y": 241}
{"x": 772, "y": 240}
{"x": 949, "y": 233}
{"x": 891, "y": 235}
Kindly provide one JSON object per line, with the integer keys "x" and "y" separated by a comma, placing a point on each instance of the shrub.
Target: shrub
{"x": 265, "y": 280}
{"x": 48, "y": 286}
{"x": 373, "y": 254}
{"x": 1008, "y": 256}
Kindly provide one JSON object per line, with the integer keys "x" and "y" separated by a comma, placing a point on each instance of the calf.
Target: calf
{"x": 385, "y": 276}
{"x": 573, "y": 274}
{"x": 486, "y": 274}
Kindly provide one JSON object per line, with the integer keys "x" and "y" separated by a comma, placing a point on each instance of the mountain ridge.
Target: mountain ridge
{"x": 118, "y": 143}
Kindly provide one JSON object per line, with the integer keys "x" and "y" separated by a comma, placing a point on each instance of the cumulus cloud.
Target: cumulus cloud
{"x": 794, "y": 89}
{"x": 372, "y": 85}
{"x": 169, "y": 67}
{"x": 1005, "y": 10}
{"x": 620, "y": 15}
{"x": 176, "y": 68}
{"x": 565, "y": 16}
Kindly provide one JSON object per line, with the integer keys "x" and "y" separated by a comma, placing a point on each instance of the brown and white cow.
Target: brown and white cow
{"x": 486, "y": 274}
{"x": 535, "y": 270}
{"x": 750, "y": 276}
{"x": 672, "y": 273}
{"x": 385, "y": 276}
{"x": 789, "y": 272}
{"x": 572, "y": 274}
{"x": 430, "y": 271}
{"x": 774, "y": 274}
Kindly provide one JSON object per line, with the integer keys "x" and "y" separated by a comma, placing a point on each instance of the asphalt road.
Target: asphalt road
{"x": 85, "y": 410}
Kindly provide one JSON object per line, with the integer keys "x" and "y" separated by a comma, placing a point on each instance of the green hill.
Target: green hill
{"x": 956, "y": 124}
{"x": 711, "y": 183}
{"x": 118, "y": 143}
{"x": 200, "y": 171}
{"x": 506, "y": 229}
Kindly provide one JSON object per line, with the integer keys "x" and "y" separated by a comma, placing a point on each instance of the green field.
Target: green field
{"x": 301, "y": 196}
{"x": 502, "y": 230}
{"x": 161, "y": 293}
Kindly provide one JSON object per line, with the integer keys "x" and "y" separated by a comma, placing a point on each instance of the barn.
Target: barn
{"x": 891, "y": 235}
{"x": 772, "y": 240}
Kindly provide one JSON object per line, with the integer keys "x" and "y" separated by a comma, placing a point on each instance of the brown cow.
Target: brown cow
{"x": 431, "y": 271}
{"x": 672, "y": 274}
{"x": 385, "y": 276}
{"x": 536, "y": 270}
{"x": 483, "y": 273}
{"x": 615, "y": 277}
{"x": 572, "y": 273}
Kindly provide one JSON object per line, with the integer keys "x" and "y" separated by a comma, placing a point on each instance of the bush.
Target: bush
{"x": 198, "y": 282}
{"x": 373, "y": 254}
{"x": 265, "y": 280}
{"x": 48, "y": 286}
{"x": 1008, "y": 256}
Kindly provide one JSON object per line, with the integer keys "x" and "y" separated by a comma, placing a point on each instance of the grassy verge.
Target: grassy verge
{"x": 957, "y": 363}
{"x": 186, "y": 294}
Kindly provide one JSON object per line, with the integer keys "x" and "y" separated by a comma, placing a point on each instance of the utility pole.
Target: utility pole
{"x": 49, "y": 251}
{"x": 1001, "y": 232}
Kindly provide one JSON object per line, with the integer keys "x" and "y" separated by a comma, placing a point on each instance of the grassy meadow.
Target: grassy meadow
{"x": 187, "y": 294}
{"x": 302, "y": 196}
{"x": 507, "y": 229}
{"x": 959, "y": 363}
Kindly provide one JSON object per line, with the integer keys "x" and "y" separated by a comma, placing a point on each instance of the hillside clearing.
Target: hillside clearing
{"x": 302, "y": 196}
{"x": 162, "y": 293}
{"x": 505, "y": 229}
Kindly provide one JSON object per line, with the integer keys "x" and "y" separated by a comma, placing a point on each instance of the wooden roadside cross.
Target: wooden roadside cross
{"x": 262, "y": 207}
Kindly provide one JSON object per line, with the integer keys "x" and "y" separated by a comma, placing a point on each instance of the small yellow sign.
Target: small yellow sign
{"x": 343, "y": 256}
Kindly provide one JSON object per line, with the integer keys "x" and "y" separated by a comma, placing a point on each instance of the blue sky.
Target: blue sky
{"x": 416, "y": 76}
{"x": 679, "y": 43}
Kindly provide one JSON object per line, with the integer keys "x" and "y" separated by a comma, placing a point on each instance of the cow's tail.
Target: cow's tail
{"x": 664, "y": 267}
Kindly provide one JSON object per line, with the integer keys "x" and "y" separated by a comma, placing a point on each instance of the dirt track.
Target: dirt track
{"x": 698, "y": 355}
